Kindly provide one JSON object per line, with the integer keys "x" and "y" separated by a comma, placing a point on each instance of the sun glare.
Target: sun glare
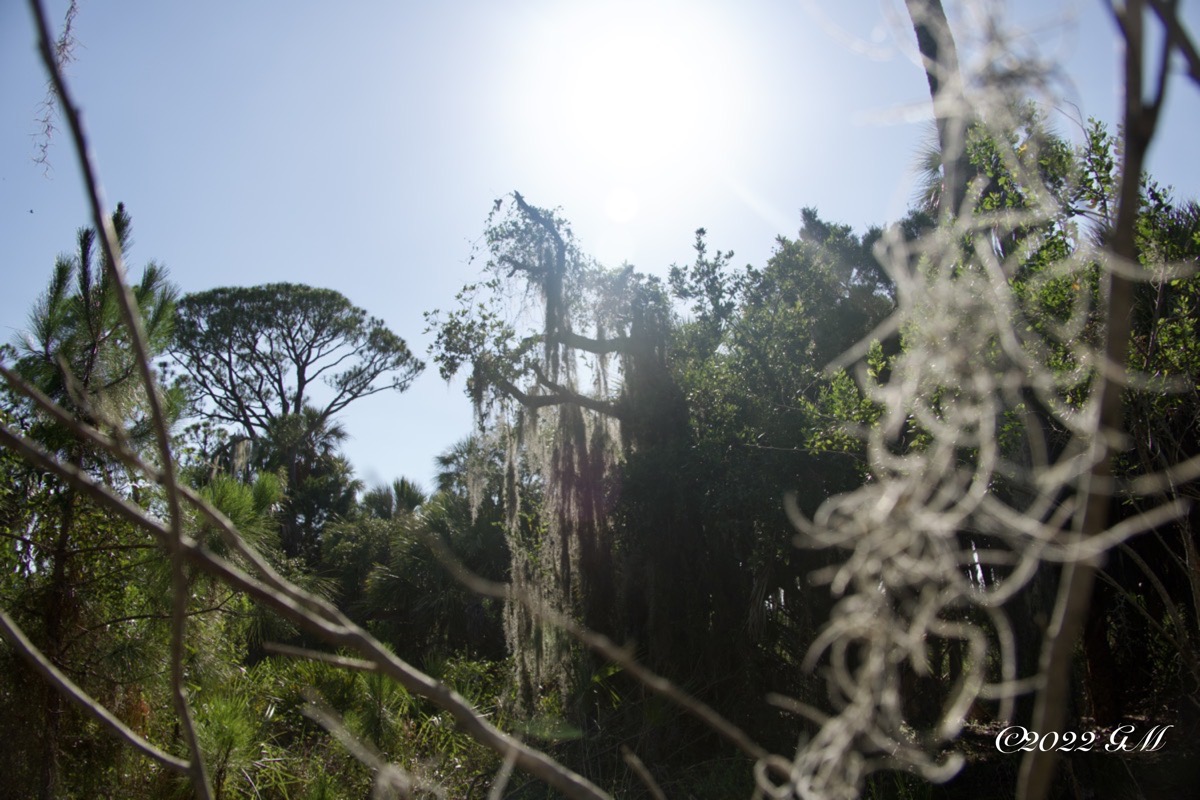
{"x": 630, "y": 93}
{"x": 641, "y": 95}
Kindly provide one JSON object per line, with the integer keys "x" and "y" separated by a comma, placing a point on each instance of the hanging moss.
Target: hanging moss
{"x": 607, "y": 330}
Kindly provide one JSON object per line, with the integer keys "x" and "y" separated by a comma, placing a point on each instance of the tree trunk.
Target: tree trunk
{"x": 57, "y": 608}
{"x": 1101, "y": 662}
{"x": 940, "y": 57}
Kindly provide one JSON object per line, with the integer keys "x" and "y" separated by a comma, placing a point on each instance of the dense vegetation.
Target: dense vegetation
{"x": 626, "y": 483}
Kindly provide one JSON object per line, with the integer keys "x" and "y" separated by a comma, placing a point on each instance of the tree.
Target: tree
{"x": 78, "y": 354}
{"x": 392, "y": 580}
{"x": 77, "y": 351}
{"x": 601, "y": 496}
{"x": 401, "y": 497}
{"x": 768, "y": 420}
{"x": 255, "y": 353}
{"x": 1000, "y": 421}
{"x": 320, "y": 483}
{"x": 971, "y": 353}
{"x": 940, "y": 58}
{"x": 259, "y": 581}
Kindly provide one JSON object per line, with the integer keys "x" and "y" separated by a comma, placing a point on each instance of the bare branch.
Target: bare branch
{"x": 617, "y": 344}
{"x": 1180, "y": 638}
{"x": 604, "y": 646}
{"x": 1167, "y": 12}
{"x": 562, "y": 395}
{"x": 86, "y": 702}
{"x": 502, "y": 777}
{"x": 118, "y": 450}
{"x": 356, "y": 664}
{"x": 388, "y": 777}
{"x": 643, "y": 774}
{"x": 138, "y": 342}
{"x": 326, "y": 623}
{"x": 1075, "y": 589}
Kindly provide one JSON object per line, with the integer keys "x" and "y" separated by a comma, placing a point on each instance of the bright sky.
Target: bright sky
{"x": 360, "y": 146}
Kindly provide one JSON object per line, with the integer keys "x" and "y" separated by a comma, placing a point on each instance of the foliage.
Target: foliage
{"x": 635, "y": 438}
{"x": 391, "y": 579}
{"x": 525, "y": 366}
{"x": 77, "y": 350}
{"x": 61, "y": 547}
{"x": 386, "y": 502}
{"x": 253, "y": 354}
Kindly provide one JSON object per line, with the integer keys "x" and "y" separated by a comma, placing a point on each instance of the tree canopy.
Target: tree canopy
{"x": 278, "y": 362}
{"x": 811, "y": 528}
{"x": 255, "y": 354}
{"x": 59, "y": 543}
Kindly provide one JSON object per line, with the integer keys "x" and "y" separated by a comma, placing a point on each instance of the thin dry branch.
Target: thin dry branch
{"x": 605, "y": 647}
{"x": 502, "y": 778}
{"x": 1075, "y": 589}
{"x": 79, "y": 697}
{"x": 908, "y": 575}
{"x": 390, "y": 780}
{"x": 118, "y": 449}
{"x": 639, "y": 769}
{"x": 327, "y": 624}
{"x": 1178, "y": 36}
{"x": 1180, "y": 638}
{"x": 138, "y": 341}
{"x": 356, "y": 664}
{"x": 299, "y": 607}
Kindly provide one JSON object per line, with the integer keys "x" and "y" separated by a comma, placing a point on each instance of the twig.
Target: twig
{"x": 138, "y": 342}
{"x": 86, "y": 702}
{"x": 605, "y": 647}
{"x": 328, "y": 624}
{"x": 388, "y": 777}
{"x": 118, "y": 450}
{"x": 502, "y": 777}
{"x": 356, "y": 664}
{"x": 643, "y": 774}
{"x": 1075, "y": 588}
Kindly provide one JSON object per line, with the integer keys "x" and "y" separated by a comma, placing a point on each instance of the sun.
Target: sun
{"x": 631, "y": 92}
{"x": 638, "y": 92}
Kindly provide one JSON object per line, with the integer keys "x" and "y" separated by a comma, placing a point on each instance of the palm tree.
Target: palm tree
{"x": 320, "y": 484}
{"x": 387, "y": 502}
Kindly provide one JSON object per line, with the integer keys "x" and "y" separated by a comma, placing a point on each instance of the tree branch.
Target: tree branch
{"x": 138, "y": 341}
{"x": 86, "y": 702}
{"x": 1178, "y": 36}
{"x": 605, "y": 647}
{"x": 1075, "y": 588}
{"x": 561, "y": 396}
{"x": 619, "y": 344}
{"x": 319, "y": 618}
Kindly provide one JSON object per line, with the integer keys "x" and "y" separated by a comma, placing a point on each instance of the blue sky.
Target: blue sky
{"x": 359, "y": 146}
